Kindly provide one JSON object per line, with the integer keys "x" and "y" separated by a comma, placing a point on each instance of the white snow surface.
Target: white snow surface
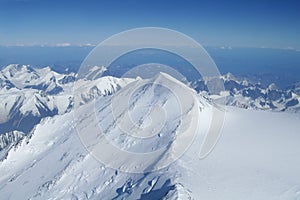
{"x": 257, "y": 157}
{"x": 28, "y": 94}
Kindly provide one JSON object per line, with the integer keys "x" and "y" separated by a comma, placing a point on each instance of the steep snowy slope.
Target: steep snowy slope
{"x": 257, "y": 156}
{"x": 28, "y": 95}
{"x": 22, "y": 109}
{"x": 55, "y": 141}
{"x": 10, "y": 138}
{"x": 88, "y": 90}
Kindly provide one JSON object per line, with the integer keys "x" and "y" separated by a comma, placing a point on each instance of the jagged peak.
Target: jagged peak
{"x": 229, "y": 76}
{"x": 17, "y": 67}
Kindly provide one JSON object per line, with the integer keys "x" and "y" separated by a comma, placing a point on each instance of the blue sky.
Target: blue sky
{"x": 255, "y": 23}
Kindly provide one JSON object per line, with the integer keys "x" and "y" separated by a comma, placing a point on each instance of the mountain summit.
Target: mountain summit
{"x": 147, "y": 116}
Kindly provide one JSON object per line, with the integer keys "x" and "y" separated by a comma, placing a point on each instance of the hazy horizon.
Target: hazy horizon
{"x": 273, "y": 24}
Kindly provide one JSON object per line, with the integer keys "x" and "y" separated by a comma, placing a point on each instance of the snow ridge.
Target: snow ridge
{"x": 52, "y": 163}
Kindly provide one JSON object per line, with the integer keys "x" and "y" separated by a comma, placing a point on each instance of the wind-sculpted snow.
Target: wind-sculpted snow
{"x": 149, "y": 125}
{"x": 53, "y": 160}
{"x": 256, "y": 158}
{"x": 28, "y": 94}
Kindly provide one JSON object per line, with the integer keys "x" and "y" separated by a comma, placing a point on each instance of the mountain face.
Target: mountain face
{"x": 60, "y": 158}
{"x": 10, "y": 138}
{"x": 55, "y": 141}
{"x": 28, "y": 95}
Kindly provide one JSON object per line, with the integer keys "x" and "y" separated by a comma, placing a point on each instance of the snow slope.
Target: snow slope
{"x": 257, "y": 156}
{"x": 28, "y": 95}
{"x": 9, "y": 138}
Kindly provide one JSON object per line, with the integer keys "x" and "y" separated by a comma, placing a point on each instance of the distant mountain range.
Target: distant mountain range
{"x": 242, "y": 92}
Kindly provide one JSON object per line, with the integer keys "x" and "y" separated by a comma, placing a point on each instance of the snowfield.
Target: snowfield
{"x": 257, "y": 156}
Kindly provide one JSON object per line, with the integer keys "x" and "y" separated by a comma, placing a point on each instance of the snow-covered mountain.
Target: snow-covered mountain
{"x": 243, "y": 93}
{"x": 29, "y": 94}
{"x": 256, "y": 158}
{"x": 24, "y": 76}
